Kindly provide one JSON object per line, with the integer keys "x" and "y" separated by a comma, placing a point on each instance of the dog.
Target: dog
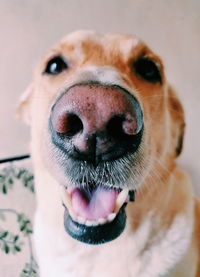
{"x": 106, "y": 129}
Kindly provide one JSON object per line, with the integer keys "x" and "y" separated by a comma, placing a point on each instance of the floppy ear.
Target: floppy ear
{"x": 23, "y": 109}
{"x": 177, "y": 121}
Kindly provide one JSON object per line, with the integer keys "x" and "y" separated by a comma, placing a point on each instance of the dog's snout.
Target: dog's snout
{"x": 97, "y": 121}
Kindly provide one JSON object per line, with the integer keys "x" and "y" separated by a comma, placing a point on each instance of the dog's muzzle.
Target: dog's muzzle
{"x": 95, "y": 125}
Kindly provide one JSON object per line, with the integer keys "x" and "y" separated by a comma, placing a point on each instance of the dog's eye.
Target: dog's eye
{"x": 55, "y": 66}
{"x": 148, "y": 70}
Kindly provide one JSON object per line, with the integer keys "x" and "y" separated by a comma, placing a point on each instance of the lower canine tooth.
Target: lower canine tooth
{"x": 121, "y": 199}
{"x": 66, "y": 197}
{"x": 111, "y": 217}
{"x": 73, "y": 215}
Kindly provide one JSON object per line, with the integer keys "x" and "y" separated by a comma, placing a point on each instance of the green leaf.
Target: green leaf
{"x": 4, "y": 189}
{"x": 10, "y": 181}
{"x": 19, "y": 217}
{"x": 6, "y": 248}
{"x": 17, "y": 248}
{"x": 22, "y": 227}
{"x": 3, "y": 235}
{"x": 20, "y": 173}
{"x": 15, "y": 238}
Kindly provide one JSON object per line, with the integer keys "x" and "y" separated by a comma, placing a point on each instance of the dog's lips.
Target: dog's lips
{"x": 94, "y": 208}
{"x": 95, "y": 234}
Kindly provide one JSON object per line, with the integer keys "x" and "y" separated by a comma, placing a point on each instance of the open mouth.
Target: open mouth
{"x": 95, "y": 215}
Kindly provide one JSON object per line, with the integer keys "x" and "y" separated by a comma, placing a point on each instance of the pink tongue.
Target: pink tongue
{"x": 100, "y": 205}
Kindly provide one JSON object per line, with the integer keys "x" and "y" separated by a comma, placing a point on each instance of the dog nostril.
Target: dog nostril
{"x": 122, "y": 125}
{"x": 75, "y": 125}
{"x": 69, "y": 124}
{"x": 114, "y": 126}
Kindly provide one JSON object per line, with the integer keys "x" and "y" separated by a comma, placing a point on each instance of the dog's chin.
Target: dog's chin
{"x": 96, "y": 234}
{"x": 96, "y": 216}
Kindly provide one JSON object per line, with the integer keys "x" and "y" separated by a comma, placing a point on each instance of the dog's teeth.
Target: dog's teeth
{"x": 102, "y": 221}
{"x": 122, "y": 197}
{"x": 111, "y": 217}
{"x": 66, "y": 197}
{"x": 73, "y": 215}
{"x": 81, "y": 220}
{"x": 95, "y": 223}
{"x": 88, "y": 223}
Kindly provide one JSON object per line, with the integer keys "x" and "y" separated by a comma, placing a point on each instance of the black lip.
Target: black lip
{"x": 96, "y": 234}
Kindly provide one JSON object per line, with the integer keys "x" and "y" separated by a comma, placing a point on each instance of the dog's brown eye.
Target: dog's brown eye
{"x": 148, "y": 70}
{"x": 55, "y": 66}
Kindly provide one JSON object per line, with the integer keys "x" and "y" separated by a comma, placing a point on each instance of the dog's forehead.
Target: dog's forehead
{"x": 81, "y": 43}
{"x": 108, "y": 38}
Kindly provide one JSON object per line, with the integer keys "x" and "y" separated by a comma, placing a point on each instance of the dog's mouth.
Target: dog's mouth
{"x": 95, "y": 215}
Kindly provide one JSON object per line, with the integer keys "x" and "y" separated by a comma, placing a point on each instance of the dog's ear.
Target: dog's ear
{"x": 177, "y": 121}
{"x": 23, "y": 108}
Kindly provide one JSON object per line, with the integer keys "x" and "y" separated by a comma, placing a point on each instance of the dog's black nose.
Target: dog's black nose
{"x": 96, "y": 122}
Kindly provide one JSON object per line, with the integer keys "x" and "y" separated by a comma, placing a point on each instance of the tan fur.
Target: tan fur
{"x": 165, "y": 191}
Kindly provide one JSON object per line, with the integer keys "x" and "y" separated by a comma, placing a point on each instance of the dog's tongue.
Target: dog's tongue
{"x": 98, "y": 204}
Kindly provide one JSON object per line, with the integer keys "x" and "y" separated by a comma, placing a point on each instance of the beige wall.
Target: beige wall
{"x": 28, "y": 27}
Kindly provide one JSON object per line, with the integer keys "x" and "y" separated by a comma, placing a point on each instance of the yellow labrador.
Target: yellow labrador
{"x": 106, "y": 130}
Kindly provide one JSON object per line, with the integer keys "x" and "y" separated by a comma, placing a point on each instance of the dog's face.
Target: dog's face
{"x": 103, "y": 120}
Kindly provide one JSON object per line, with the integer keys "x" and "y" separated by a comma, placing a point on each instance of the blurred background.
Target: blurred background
{"x": 28, "y": 28}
